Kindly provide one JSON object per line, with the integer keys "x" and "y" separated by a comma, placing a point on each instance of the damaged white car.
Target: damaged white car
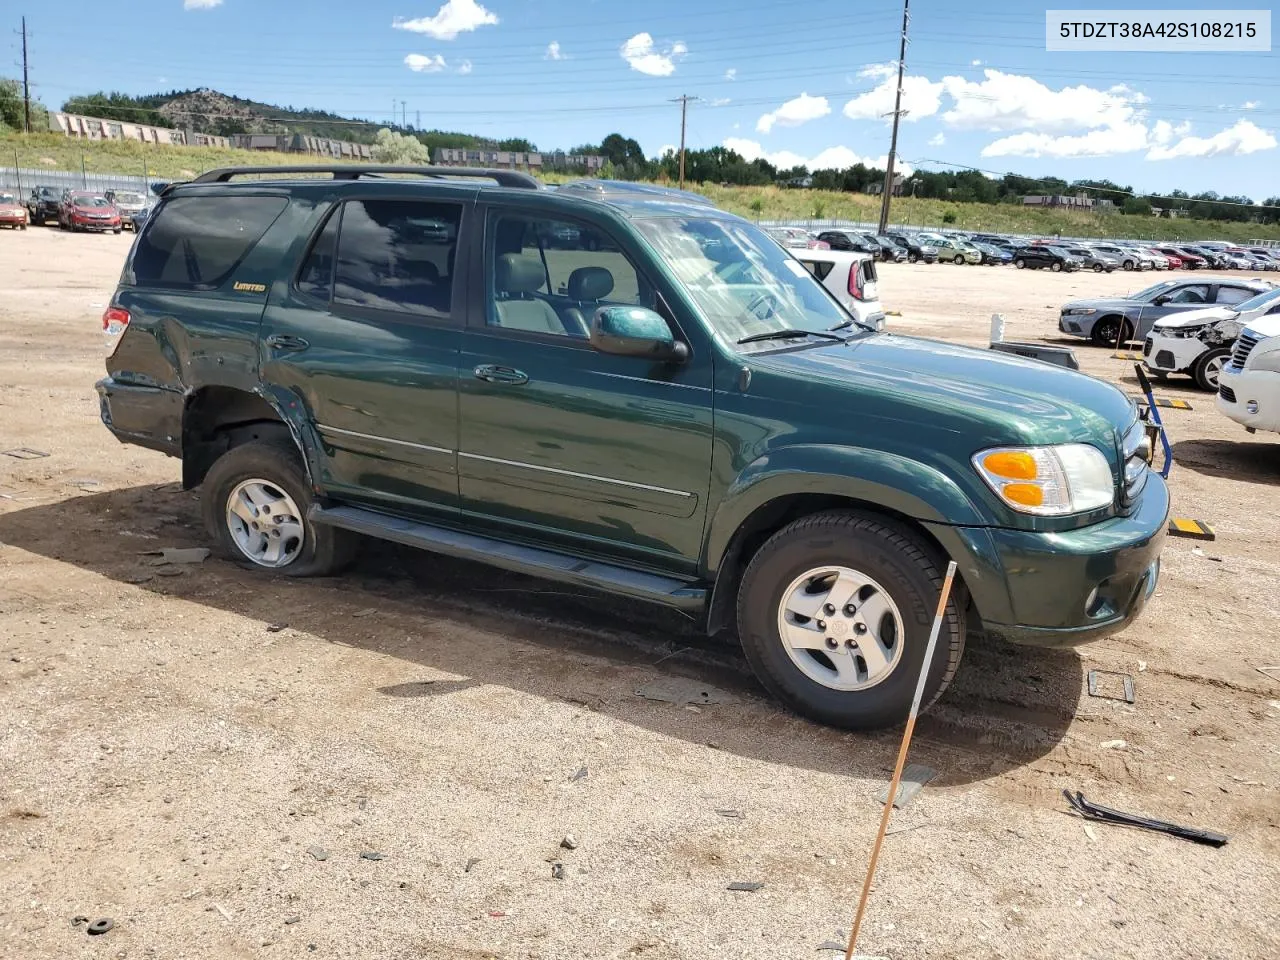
{"x": 1199, "y": 343}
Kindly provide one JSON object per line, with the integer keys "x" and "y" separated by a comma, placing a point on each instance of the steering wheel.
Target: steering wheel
{"x": 766, "y": 299}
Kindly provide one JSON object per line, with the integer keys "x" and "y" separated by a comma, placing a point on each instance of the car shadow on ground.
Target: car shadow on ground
{"x": 1249, "y": 461}
{"x": 1008, "y": 707}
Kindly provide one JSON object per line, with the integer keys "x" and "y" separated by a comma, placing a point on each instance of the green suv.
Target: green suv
{"x": 626, "y": 389}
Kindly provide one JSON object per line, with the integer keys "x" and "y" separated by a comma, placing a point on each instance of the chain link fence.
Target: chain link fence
{"x": 22, "y": 181}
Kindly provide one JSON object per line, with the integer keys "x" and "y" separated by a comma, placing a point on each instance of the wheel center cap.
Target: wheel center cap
{"x": 839, "y": 628}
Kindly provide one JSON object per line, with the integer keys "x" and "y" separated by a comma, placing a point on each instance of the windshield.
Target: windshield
{"x": 741, "y": 280}
{"x": 1260, "y": 301}
{"x": 91, "y": 202}
{"x": 1060, "y": 251}
{"x": 1154, "y": 291}
{"x": 8, "y": 198}
{"x": 129, "y": 199}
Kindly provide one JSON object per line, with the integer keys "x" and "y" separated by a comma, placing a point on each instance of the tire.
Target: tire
{"x": 1055, "y": 267}
{"x": 1098, "y": 268}
{"x": 1106, "y": 329}
{"x": 1020, "y": 264}
{"x": 322, "y": 550}
{"x": 900, "y": 567}
{"x": 912, "y": 258}
{"x": 959, "y": 258}
{"x": 1207, "y": 367}
{"x": 1128, "y": 265}
{"x": 116, "y": 230}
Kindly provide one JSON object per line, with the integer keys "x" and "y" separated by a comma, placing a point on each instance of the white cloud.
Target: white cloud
{"x": 1250, "y": 105}
{"x": 1241, "y": 137}
{"x": 878, "y": 71}
{"x": 200, "y": 4}
{"x": 666, "y": 148}
{"x": 644, "y": 57}
{"x": 554, "y": 52}
{"x": 421, "y": 63}
{"x": 1120, "y": 138}
{"x": 731, "y": 73}
{"x": 975, "y": 63}
{"x": 832, "y": 158}
{"x": 1006, "y": 102}
{"x": 920, "y": 98}
{"x": 720, "y": 102}
{"x": 938, "y": 139}
{"x": 464, "y": 67}
{"x": 455, "y": 17}
{"x": 794, "y": 112}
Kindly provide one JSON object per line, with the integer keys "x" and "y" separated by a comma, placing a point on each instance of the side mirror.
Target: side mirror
{"x": 635, "y": 332}
{"x": 1161, "y": 300}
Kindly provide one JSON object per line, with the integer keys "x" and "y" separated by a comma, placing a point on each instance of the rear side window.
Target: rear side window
{"x": 869, "y": 271}
{"x": 397, "y": 255}
{"x": 196, "y": 242}
{"x": 316, "y": 278}
{"x": 819, "y": 268}
{"x": 1234, "y": 295}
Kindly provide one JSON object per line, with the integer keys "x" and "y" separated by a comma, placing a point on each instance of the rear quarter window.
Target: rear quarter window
{"x": 197, "y": 242}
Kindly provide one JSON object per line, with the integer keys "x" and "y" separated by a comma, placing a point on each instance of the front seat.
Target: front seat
{"x": 588, "y": 286}
{"x": 516, "y": 278}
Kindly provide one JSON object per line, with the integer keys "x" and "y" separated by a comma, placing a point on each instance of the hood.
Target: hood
{"x": 1264, "y": 327}
{"x": 1195, "y": 318}
{"x": 928, "y": 393}
{"x": 1102, "y": 303}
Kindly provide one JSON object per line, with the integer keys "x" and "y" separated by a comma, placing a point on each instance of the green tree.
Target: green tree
{"x": 11, "y": 109}
{"x": 1137, "y": 206}
{"x": 390, "y": 147}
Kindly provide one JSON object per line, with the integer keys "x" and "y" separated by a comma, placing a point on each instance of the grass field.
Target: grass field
{"x": 55, "y": 152}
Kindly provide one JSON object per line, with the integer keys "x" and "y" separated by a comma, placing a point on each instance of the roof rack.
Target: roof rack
{"x": 603, "y": 189}
{"x": 354, "y": 171}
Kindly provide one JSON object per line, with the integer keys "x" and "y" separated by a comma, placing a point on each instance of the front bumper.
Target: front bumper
{"x": 1250, "y": 397}
{"x": 1076, "y": 324}
{"x": 1062, "y": 589}
{"x": 1171, "y": 354}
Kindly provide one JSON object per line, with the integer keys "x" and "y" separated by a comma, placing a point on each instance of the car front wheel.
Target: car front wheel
{"x": 255, "y": 504}
{"x": 1020, "y": 263}
{"x": 834, "y": 612}
{"x": 1207, "y": 367}
{"x": 1055, "y": 267}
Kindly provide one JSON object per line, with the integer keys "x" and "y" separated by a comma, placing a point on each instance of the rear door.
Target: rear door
{"x": 366, "y": 338}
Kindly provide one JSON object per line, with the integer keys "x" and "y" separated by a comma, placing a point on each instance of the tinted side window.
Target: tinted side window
{"x": 196, "y": 242}
{"x": 397, "y": 255}
{"x": 1196, "y": 294}
{"x": 819, "y": 268}
{"x": 316, "y": 278}
{"x": 1230, "y": 295}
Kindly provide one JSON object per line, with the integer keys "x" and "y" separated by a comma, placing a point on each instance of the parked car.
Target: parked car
{"x": 1192, "y": 260}
{"x": 1215, "y": 259}
{"x": 1103, "y": 319}
{"x": 1177, "y": 259}
{"x": 1158, "y": 260}
{"x": 1249, "y": 383}
{"x": 793, "y": 238}
{"x": 995, "y": 240}
{"x": 851, "y": 278}
{"x": 1128, "y": 258}
{"x": 721, "y": 435}
{"x": 849, "y": 240}
{"x": 12, "y": 213}
{"x": 1199, "y": 342}
{"x": 1038, "y": 257}
{"x": 890, "y": 252}
{"x": 129, "y": 204}
{"x": 1094, "y": 259}
{"x": 43, "y": 205}
{"x": 953, "y": 249}
{"x": 991, "y": 254}
{"x": 82, "y": 210}
{"x": 1270, "y": 257}
{"x": 917, "y": 250}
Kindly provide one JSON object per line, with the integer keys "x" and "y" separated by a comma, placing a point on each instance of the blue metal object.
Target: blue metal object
{"x": 1145, "y": 384}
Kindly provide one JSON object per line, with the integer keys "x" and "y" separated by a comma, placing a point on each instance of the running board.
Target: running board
{"x": 683, "y": 594}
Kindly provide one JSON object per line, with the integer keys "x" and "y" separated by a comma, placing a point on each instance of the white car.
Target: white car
{"x": 1249, "y": 386}
{"x": 851, "y": 278}
{"x": 1200, "y": 342}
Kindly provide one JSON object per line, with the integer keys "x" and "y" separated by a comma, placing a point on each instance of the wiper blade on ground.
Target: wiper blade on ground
{"x": 790, "y": 334}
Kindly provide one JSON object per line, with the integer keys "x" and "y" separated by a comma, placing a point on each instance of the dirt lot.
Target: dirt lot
{"x": 173, "y": 746}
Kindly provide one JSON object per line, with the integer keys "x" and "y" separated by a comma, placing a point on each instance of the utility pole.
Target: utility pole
{"x": 684, "y": 112}
{"x": 404, "y": 116}
{"x": 26, "y": 86}
{"x": 897, "y": 115}
{"x": 417, "y": 120}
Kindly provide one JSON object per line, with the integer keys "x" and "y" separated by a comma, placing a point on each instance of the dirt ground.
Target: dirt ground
{"x": 175, "y": 743}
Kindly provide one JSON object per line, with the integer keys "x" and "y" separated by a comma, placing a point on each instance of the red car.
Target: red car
{"x": 12, "y": 213}
{"x": 1176, "y": 258}
{"x": 1193, "y": 261}
{"x": 82, "y": 210}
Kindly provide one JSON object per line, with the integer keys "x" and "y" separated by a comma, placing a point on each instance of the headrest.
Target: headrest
{"x": 517, "y": 273}
{"x": 590, "y": 283}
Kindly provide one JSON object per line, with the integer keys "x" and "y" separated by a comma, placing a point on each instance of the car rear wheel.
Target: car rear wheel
{"x": 834, "y": 612}
{"x": 959, "y": 258}
{"x": 255, "y": 504}
{"x": 1055, "y": 267}
{"x": 1097, "y": 268}
{"x": 1207, "y": 367}
{"x": 1020, "y": 263}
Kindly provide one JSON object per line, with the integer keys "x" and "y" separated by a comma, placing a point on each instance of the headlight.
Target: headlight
{"x": 1048, "y": 481}
{"x": 1182, "y": 333}
{"x": 1269, "y": 361}
{"x": 1079, "y": 311}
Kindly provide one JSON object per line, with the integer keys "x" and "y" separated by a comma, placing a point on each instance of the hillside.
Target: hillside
{"x": 53, "y": 152}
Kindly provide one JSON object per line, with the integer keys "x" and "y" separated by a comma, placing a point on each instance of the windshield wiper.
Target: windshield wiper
{"x": 790, "y": 334}
{"x": 846, "y": 324}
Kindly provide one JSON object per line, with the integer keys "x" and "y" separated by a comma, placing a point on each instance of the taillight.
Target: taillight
{"x": 855, "y": 281}
{"x": 114, "y": 323}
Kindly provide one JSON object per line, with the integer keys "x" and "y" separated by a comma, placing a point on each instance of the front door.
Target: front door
{"x": 367, "y": 338}
{"x": 560, "y": 443}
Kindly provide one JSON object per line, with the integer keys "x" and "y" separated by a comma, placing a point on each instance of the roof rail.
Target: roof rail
{"x": 354, "y": 171}
{"x": 603, "y": 189}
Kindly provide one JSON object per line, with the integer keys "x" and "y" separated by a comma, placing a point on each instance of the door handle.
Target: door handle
{"x": 496, "y": 374}
{"x": 283, "y": 341}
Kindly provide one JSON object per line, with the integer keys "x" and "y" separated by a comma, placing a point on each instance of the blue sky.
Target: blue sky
{"x": 796, "y": 83}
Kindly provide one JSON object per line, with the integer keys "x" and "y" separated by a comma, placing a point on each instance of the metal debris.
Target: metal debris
{"x": 557, "y": 871}
{"x": 750, "y": 886}
{"x": 914, "y": 777}
{"x": 79, "y": 921}
{"x": 370, "y": 855}
{"x": 681, "y": 691}
{"x": 222, "y": 910}
{"x": 580, "y": 775}
{"x": 25, "y": 453}
{"x": 318, "y": 853}
{"x": 1095, "y": 685}
{"x": 570, "y": 842}
{"x": 276, "y": 627}
{"x": 892, "y": 830}
{"x": 470, "y": 863}
{"x": 293, "y": 919}
{"x": 99, "y": 927}
{"x": 732, "y": 814}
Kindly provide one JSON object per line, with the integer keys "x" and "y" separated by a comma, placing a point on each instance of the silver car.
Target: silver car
{"x": 1104, "y": 319}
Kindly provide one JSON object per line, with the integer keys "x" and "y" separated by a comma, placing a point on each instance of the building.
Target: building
{"x": 876, "y": 187}
{"x": 303, "y": 144}
{"x": 1081, "y": 201}
{"x": 471, "y": 157}
{"x": 97, "y": 128}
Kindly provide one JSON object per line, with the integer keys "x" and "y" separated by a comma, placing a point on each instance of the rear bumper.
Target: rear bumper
{"x": 147, "y": 416}
{"x": 1062, "y": 589}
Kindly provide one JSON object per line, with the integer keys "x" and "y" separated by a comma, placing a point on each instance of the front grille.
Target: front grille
{"x": 1137, "y": 452}
{"x": 1164, "y": 360}
{"x": 1146, "y": 348}
{"x": 1226, "y": 393}
{"x": 1244, "y": 347}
